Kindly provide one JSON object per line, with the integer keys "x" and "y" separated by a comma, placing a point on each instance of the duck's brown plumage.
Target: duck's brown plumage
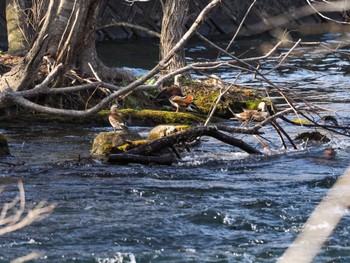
{"x": 116, "y": 119}
{"x": 163, "y": 97}
{"x": 183, "y": 102}
{"x": 254, "y": 115}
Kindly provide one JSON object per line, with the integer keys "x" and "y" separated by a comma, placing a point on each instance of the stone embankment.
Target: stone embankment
{"x": 223, "y": 20}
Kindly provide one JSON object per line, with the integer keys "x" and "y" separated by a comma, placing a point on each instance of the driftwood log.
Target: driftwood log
{"x": 147, "y": 153}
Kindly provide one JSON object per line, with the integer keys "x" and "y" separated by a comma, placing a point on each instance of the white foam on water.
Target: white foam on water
{"x": 119, "y": 258}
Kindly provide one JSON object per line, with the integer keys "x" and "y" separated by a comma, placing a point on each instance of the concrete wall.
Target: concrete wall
{"x": 222, "y": 21}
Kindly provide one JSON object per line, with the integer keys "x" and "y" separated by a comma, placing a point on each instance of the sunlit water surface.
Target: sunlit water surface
{"x": 216, "y": 205}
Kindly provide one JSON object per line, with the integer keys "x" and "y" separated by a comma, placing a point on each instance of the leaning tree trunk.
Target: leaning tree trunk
{"x": 67, "y": 36}
{"x": 173, "y": 27}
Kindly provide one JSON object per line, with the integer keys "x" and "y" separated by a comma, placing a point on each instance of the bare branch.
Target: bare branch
{"x": 240, "y": 25}
{"x": 280, "y": 20}
{"x": 223, "y": 91}
{"x": 125, "y": 24}
{"x": 284, "y": 57}
{"x": 18, "y": 219}
{"x": 28, "y": 257}
{"x": 329, "y": 7}
{"x": 131, "y": 2}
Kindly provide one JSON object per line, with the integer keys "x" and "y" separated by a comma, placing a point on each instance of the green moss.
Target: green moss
{"x": 151, "y": 81}
{"x": 113, "y": 142}
{"x": 131, "y": 144}
{"x": 253, "y": 104}
{"x": 154, "y": 117}
{"x": 206, "y": 93}
{"x": 107, "y": 148}
{"x": 104, "y": 113}
{"x": 140, "y": 108}
{"x": 301, "y": 121}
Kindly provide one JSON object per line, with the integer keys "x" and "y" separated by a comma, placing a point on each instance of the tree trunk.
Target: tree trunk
{"x": 173, "y": 27}
{"x": 16, "y": 27}
{"x": 67, "y": 36}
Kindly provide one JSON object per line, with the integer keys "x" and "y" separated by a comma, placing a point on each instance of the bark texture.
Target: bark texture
{"x": 67, "y": 36}
{"x": 15, "y": 25}
{"x": 173, "y": 27}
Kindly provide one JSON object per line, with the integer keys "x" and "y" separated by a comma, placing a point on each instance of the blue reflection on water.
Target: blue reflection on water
{"x": 216, "y": 205}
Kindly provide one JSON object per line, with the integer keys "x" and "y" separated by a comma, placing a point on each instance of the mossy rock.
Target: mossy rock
{"x": 206, "y": 93}
{"x": 155, "y": 117}
{"x": 165, "y": 130}
{"x": 109, "y": 142}
{"x": 4, "y": 148}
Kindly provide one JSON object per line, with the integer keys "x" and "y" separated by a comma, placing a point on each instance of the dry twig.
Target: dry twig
{"x": 14, "y": 216}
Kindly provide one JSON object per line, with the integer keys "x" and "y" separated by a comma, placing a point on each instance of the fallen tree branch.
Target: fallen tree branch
{"x": 331, "y": 128}
{"x": 133, "y": 26}
{"x": 229, "y": 139}
{"x": 188, "y": 136}
{"x": 242, "y": 130}
{"x": 281, "y": 132}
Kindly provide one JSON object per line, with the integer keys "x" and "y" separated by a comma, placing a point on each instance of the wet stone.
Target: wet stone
{"x": 4, "y": 149}
{"x": 165, "y": 130}
{"x": 105, "y": 142}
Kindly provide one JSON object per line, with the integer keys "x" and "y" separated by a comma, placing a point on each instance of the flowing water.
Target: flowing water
{"x": 216, "y": 205}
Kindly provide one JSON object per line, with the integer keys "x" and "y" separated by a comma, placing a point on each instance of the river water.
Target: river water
{"x": 216, "y": 205}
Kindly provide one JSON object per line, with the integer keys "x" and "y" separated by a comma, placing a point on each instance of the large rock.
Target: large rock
{"x": 165, "y": 130}
{"x": 108, "y": 142}
{"x": 4, "y": 148}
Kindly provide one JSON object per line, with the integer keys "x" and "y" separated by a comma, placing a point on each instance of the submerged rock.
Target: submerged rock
{"x": 4, "y": 148}
{"x": 108, "y": 142}
{"x": 312, "y": 137}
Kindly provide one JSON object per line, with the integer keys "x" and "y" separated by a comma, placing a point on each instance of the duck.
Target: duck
{"x": 260, "y": 114}
{"x": 329, "y": 153}
{"x": 163, "y": 97}
{"x": 328, "y": 119}
{"x": 116, "y": 119}
{"x": 183, "y": 102}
